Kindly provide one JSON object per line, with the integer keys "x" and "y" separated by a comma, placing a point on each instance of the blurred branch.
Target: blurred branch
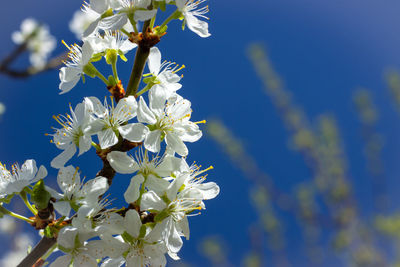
{"x": 53, "y": 63}
{"x": 323, "y": 152}
{"x": 374, "y": 143}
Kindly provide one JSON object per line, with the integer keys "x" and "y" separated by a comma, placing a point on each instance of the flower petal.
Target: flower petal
{"x": 176, "y": 144}
{"x": 154, "y": 60}
{"x": 121, "y": 162}
{"x": 133, "y": 223}
{"x": 151, "y": 201}
{"x": 134, "y": 132}
{"x": 107, "y": 138}
{"x": 152, "y": 141}
{"x": 144, "y": 114}
{"x": 62, "y": 158}
{"x": 133, "y": 191}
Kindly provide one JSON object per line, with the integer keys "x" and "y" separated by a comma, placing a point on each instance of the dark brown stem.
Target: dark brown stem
{"x": 51, "y": 64}
{"x": 12, "y": 56}
{"x": 41, "y": 248}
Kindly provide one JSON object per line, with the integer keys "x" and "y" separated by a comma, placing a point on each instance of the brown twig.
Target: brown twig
{"x": 39, "y": 250}
{"x": 51, "y": 64}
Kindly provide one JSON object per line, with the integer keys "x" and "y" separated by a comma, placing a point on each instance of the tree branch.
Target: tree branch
{"x": 40, "y": 249}
{"x": 142, "y": 53}
{"x": 51, "y": 64}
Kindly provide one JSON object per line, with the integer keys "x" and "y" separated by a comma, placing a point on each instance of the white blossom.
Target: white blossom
{"x": 38, "y": 40}
{"x": 110, "y": 121}
{"x": 137, "y": 249}
{"x": 97, "y": 10}
{"x": 165, "y": 79}
{"x": 190, "y": 12}
{"x": 150, "y": 173}
{"x": 111, "y": 41}
{"x": 79, "y": 253}
{"x": 20, "y": 177}
{"x": 137, "y": 9}
{"x": 168, "y": 121}
{"x": 74, "y": 69}
{"x": 81, "y": 21}
{"x": 175, "y": 223}
{"x": 73, "y": 135}
{"x": 76, "y": 193}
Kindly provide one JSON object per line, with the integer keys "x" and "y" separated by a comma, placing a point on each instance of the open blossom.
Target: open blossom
{"x": 81, "y": 21}
{"x": 175, "y": 223}
{"x": 74, "y": 69}
{"x": 40, "y": 42}
{"x": 79, "y": 252}
{"x": 163, "y": 191}
{"x": 72, "y": 135}
{"x": 168, "y": 121}
{"x": 150, "y": 173}
{"x": 75, "y": 193}
{"x": 190, "y": 12}
{"x": 20, "y": 177}
{"x": 136, "y": 250}
{"x": 125, "y": 9}
{"x": 108, "y": 122}
{"x": 184, "y": 197}
{"x": 165, "y": 79}
{"x": 97, "y": 10}
{"x": 111, "y": 41}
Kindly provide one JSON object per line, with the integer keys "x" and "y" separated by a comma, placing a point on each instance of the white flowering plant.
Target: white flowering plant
{"x": 139, "y": 132}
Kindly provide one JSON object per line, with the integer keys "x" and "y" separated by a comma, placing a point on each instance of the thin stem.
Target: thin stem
{"x": 96, "y": 146}
{"x": 125, "y": 32}
{"x": 101, "y": 76}
{"x": 15, "y": 215}
{"x": 144, "y": 90}
{"x": 115, "y": 72}
{"x": 171, "y": 17}
{"x": 142, "y": 53}
{"x": 153, "y": 20}
{"x": 133, "y": 22}
{"x": 27, "y": 203}
{"x": 18, "y": 216}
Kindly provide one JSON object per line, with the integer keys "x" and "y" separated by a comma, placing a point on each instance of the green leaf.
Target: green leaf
{"x": 48, "y": 232}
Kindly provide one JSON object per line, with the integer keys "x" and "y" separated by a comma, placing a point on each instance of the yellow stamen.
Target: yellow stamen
{"x": 64, "y": 43}
{"x": 182, "y": 67}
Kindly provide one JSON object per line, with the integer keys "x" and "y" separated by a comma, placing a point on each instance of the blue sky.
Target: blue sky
{"x": 323, "y": 50}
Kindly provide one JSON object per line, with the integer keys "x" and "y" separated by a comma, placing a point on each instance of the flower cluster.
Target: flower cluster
{"x": 38, "y": 41}
{"x": 140, "y": 133}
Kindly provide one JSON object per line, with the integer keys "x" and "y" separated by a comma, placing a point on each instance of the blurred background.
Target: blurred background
{"x": 302, "y": 102}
